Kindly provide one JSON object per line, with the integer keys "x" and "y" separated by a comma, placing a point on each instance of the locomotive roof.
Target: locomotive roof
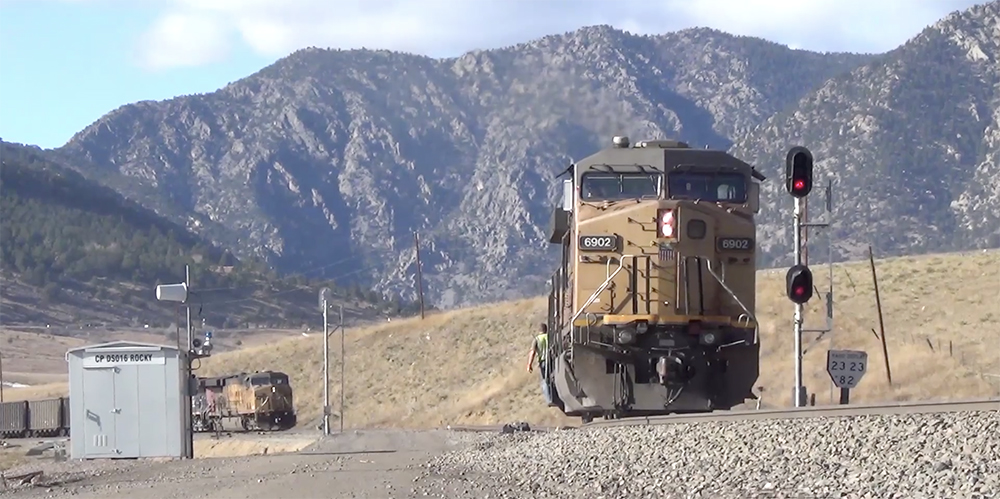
{"x": 661, "y": 156}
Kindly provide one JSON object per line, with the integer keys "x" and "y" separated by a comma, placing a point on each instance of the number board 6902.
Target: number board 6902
{"x": 846, "y": 367}
{"x": 606, "y": 242}
{"x": 734, "y": 244}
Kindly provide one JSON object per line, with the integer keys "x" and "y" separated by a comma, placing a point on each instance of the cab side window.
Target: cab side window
{"x": 599, "y": 186}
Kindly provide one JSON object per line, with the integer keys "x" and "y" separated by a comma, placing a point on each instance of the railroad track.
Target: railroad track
{"x": 498, "y": 427}
{"x": 881, "y": 409}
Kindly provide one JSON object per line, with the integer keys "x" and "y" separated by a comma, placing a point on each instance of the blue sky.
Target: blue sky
{"x": 65, "y": 63}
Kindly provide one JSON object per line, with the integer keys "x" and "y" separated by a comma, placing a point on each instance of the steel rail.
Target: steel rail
{"x": 876, "y": 409}
{"x": 879, "y": 409}
{"x": 499, "y": 427}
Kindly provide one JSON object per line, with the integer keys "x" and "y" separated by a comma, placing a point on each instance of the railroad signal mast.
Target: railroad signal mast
{"x": 799, "y": 279}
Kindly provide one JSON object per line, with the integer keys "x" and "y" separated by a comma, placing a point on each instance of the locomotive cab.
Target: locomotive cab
{"x": 651, "y": 309}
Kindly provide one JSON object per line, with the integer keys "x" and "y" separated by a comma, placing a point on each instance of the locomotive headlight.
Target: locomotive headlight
{"x": 708, "y": 338}
{"x": 625, "y": 336}
{"x": 665, "y": 223}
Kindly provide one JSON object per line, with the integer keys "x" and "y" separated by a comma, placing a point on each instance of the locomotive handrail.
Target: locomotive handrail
{"x": 601, "y": 288}
{"x": 744, "y": 320}
{"x": 756, "y": 327}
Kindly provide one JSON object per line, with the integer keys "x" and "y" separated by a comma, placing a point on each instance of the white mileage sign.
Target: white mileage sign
{"x": 846, "y": 367}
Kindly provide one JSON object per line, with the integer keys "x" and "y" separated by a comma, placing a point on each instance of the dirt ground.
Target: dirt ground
{"x": 355, "y": 464}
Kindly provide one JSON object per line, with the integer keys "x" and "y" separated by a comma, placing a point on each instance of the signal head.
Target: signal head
{"x": 799, "y": 284}
{"x": 799, "y": 171}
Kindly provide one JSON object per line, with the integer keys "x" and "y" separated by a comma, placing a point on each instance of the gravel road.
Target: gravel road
{"x": 937, "y": 456}
{"x": 363, "y": 464}
{"x": 954, "y": 455}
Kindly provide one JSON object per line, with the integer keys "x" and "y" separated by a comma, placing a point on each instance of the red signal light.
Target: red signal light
{"x": 799, "y": 284}
{"x": 799, "y": 171}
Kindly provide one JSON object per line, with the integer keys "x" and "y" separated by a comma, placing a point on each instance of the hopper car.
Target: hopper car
{"x": 35, "y": 418}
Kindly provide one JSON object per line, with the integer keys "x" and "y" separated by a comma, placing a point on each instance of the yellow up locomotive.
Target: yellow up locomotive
{"x": 260, "y": 400}
{"x": 651, "y": 310}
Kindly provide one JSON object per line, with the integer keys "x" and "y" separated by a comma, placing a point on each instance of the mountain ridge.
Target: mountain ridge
{"x": 327, "y": 155}
{"x": 931, "y": 166}
{"x": 73, "y": 251}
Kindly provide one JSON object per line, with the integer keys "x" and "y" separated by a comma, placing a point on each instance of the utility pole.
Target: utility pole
{"x": 1, "y": 377}
{"x": 187, "y": 306}
{"x": 188, "y": 352}
{"x": 326, "y": 369}
{"x": 180, "y": 293}
{"x": 324, "y": 304}
{"x": 420, "y": 279}
{"x": 343, "y": 333}
{"x": 881, "y": 324}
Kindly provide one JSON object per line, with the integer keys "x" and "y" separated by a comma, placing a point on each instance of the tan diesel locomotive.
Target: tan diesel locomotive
{"x": 259, "y": 400}
{"x": 651, "y": 310}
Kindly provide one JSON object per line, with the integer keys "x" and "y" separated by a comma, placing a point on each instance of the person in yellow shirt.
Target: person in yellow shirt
{"x": 540, "y": 353}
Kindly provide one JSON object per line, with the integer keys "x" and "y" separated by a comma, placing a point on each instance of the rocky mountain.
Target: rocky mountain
{"x": 330, "y": 155}
{"x": 73, "y": 252}
{"x": 911, "y": 141}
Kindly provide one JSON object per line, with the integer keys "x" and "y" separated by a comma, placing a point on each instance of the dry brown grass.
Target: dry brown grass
{"x": 459, "y": 367}
{"x": 36, "y": 392}
{"x": 467, "y": 366}
{"x": 942, "y": 322}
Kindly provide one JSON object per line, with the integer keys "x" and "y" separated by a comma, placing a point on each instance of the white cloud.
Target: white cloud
{"x": 177, "y": 40}
{"x": 196, "y": 32}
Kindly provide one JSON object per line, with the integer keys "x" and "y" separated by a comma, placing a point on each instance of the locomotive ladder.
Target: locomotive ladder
{"x": 601, "y": 288}
{"x": 746, "y": 311}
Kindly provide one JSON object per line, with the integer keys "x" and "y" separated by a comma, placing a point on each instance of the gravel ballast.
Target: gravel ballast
{"x": 945, "y": 455}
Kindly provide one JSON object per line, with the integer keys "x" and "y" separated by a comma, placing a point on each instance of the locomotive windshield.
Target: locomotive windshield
{"x": 711, "y": 187}
{"x": 612, "y": 186}
{"x": 264, "y": 379}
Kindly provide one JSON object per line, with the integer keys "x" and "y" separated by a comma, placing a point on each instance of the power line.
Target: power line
{"x": 304, "y": 272}
{"x": 293, "y": 290}
{"x": 297, "y": 288}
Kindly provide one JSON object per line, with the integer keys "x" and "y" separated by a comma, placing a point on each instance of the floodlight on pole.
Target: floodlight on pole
{"x": 178, "y": 293}
{"x": 172, "y": 292}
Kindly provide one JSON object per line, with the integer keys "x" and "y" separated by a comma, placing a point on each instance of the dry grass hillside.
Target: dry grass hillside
{"x": 942, "y": 322}
{"x": 942, "y": 327}
{"x": 467, "y": 366}
{"x": 458, "y": 367}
